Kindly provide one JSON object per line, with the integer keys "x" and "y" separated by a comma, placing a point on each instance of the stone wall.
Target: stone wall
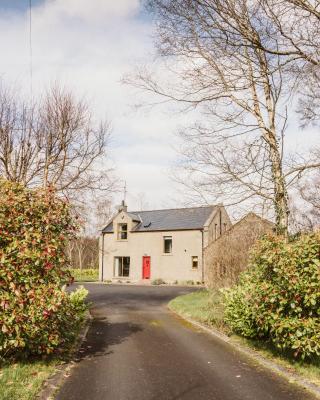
{"x": 228, "y": 256}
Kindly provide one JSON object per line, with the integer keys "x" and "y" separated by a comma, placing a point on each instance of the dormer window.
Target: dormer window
{"x": 122, "y": 232}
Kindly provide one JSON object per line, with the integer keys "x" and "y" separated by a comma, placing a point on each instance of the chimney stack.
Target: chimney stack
{"x": 123, "y": 207}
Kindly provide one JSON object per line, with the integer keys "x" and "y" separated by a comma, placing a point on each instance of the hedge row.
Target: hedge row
{"x": 278, "y": 297}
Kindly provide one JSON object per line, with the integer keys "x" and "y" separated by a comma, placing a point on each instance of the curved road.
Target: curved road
{"x": 137, "y": 350}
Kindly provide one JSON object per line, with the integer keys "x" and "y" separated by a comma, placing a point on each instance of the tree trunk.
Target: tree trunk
{"x": 80, "y": 256}
{"x": 280, "y": 192}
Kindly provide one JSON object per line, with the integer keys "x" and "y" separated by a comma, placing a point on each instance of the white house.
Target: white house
{"x": 166, "y": 244}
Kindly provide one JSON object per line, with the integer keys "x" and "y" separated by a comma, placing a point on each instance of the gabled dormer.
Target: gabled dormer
{"x": 122, "y": 224}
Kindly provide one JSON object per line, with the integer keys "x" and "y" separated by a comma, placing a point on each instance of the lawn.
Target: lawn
{"x": 85, "y": 275}
{"x": 206, "y": 307}
{"x": 203, "y": 306}
{"x": 23, "y": 380}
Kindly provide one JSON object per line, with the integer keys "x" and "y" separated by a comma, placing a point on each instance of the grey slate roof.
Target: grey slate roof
{"x": 168, "y": 220}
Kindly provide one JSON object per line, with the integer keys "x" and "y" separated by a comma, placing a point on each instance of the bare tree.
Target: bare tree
{"x": 294, "y": 25}
{"x": 83, "y": 252}
{"x": 309, "y": 102}
{"x": 142, "y": 202}
{"x": 310, "y": 194}
{"x": 18, "y": 151}
{"x": 293, "y": 28}
{"x": 224, "y": 63}
{"x": 80, "y": 247}
{"x": 54, "y": 142}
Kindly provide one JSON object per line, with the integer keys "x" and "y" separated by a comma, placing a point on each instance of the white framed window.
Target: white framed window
{"x": 121, "y": 266}
{"x": 194, "y": 262}
{"x": 167, "y": 244}
{"x": 122, "y": 232}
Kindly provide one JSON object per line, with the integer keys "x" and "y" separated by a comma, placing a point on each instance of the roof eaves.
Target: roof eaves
{"x": 168, "y": 230}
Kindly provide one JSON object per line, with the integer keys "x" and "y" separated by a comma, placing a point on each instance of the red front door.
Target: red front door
{"x": 146, "y": 267}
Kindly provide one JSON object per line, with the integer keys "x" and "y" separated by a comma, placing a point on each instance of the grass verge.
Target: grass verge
{"x": 85, "y": 275}
{"x": 202, "y": 306}
{"x": 206, "y": 307}
{"x": 23, "y": 380}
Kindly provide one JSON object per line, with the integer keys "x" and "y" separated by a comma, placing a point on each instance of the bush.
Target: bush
{"x": 158, "y": 281}
{"x": 278, "y": 298}
{"x": 77, "y": 299}
{"x": 48, "y": 323}
{"x": 36, "y": 315}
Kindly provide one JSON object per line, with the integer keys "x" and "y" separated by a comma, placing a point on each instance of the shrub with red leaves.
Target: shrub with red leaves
{"x": 36, "y": 315}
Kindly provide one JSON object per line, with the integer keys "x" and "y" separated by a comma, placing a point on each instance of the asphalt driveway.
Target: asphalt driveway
{"x": 137, "y": 350}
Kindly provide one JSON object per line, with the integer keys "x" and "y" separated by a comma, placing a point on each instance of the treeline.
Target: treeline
{"x": 83, "y": 252}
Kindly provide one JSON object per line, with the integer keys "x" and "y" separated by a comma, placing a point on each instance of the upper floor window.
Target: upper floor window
{"x": 167, "y": 244}
{"x": 122, "y": 232}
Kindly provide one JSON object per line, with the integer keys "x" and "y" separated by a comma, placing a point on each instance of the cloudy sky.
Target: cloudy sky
{"x": 89, "y": 46}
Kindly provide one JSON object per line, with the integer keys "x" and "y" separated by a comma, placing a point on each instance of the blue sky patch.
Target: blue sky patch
{"x": 19, "y": 5}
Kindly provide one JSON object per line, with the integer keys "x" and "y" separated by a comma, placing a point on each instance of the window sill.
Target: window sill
{"x": 124, "y": 278}
{"x": 121, "y": 240}
{"x": 167, "y": 254}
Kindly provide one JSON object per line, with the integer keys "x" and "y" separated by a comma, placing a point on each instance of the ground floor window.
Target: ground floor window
{"x": 121, "y": 266}
{"x": 194, "y": 260}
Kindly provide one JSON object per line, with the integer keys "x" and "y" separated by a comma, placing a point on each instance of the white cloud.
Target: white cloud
{"x": 89, "y": 45}
{"x": 92, "y": 10}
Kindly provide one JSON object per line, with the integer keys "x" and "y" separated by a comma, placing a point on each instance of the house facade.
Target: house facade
{"x": 159, "y": 244}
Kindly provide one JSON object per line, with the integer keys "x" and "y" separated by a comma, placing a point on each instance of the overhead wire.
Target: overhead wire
{"x": 30, "y": 50}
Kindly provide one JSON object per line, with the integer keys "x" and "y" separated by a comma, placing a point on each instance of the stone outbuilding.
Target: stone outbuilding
{"x": 228, "y": 256}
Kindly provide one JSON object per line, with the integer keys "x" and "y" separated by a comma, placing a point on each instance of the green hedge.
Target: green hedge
{"x": 278, "y": 298}
{"x": 85, "y": 275}
{"x": 36, "y": 315}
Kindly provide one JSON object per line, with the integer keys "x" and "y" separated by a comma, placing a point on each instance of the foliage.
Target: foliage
{"x": 278, "y": 298}
{"x": 34, "y": 228}
{"x": 85, "y": 275}
{"x": 158, "y": 281}
{"x": 46, "y": 323}
{"x": 77, "y": 299}
{"x": 36, "y": 315}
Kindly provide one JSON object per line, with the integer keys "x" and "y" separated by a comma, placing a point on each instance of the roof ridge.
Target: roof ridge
{"x": 171, "y": 209}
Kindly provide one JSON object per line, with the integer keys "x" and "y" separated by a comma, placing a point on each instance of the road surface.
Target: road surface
{"x": 136, "y": 349}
